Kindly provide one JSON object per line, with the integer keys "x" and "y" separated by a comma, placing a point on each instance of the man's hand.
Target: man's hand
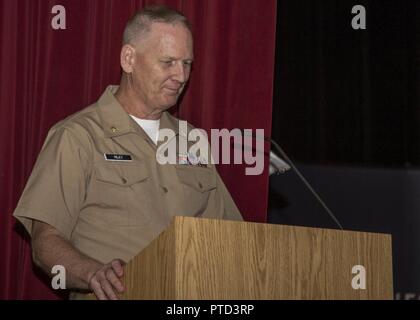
{"x": 50, "y": 248}
{"x": 106, "y": 280}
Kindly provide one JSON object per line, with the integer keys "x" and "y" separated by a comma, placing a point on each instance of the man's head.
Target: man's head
{"x": 156, "y": 57}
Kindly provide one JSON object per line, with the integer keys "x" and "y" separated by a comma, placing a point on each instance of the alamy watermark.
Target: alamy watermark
{"x": 59, "y": 20}
{"x": 193, "y": 148}
{"x": 59, "y": 280}
{"x": 359, "y": 20}
{"x": 359, "y": 280}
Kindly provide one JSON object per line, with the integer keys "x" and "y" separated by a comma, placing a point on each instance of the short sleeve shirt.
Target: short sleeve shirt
{"x": 97, "y": 181}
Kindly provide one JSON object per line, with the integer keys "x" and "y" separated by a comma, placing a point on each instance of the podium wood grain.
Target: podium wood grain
{"x": 199, "y": 258}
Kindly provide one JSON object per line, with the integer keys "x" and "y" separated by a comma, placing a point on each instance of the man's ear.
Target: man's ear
{"x": 127, "y": 58}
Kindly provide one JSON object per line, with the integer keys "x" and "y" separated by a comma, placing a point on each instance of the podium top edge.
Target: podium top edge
{"x": 180, "y": 218}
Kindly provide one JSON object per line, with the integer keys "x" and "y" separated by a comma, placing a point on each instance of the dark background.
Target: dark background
{"x": 346, "y": 109}
{"x": 348, "y": 96}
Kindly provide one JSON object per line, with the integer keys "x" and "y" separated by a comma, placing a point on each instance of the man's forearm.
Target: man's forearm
{"x": 50, "y": 249}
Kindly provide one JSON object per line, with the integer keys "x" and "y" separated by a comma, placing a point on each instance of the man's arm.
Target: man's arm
{"x": 49, "y": 248}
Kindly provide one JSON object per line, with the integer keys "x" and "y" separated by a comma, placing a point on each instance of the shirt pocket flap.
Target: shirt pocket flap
{"x": 120, "y": 174}
{"x": 201, "y": 179}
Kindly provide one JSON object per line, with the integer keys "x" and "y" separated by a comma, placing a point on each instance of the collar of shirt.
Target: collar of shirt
{"x": 116, "y": 121}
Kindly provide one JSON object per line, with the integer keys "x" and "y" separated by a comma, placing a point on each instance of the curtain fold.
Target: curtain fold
{"x": 46, "y": 75}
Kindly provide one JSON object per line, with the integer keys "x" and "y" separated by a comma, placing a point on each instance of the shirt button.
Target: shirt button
{"x": 113, "y": 129}
{"x": 124, "y": 180}
{"x": 165, "y": 190}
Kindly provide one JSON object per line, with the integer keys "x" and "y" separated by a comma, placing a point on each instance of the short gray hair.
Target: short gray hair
{"x": 139, "y": 24}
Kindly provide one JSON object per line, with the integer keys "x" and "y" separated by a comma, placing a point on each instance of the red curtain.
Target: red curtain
{"x": 47, "y": 74}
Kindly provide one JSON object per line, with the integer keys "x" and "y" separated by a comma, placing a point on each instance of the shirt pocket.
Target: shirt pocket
{"x": 122, "y": 193}
{"x": 197, "y": 184}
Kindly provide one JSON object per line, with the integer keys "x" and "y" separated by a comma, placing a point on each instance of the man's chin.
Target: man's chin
{"x": 171, "y": 100}
{"x": 168, "y": 104}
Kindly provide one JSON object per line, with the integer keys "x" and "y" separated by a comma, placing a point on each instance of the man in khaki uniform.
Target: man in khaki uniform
{"x": 97, "y": 195}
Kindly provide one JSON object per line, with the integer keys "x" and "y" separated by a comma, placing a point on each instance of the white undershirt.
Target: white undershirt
{"x": 151, "y": 127}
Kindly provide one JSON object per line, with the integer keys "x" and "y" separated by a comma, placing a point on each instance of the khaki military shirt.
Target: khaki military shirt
{"x": 110, "y": 208}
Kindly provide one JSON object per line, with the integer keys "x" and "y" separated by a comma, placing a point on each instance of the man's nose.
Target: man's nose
{"x": 180, "y": 72}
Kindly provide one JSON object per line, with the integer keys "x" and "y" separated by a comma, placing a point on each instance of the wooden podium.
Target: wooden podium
{"x": 197, "y": 258}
